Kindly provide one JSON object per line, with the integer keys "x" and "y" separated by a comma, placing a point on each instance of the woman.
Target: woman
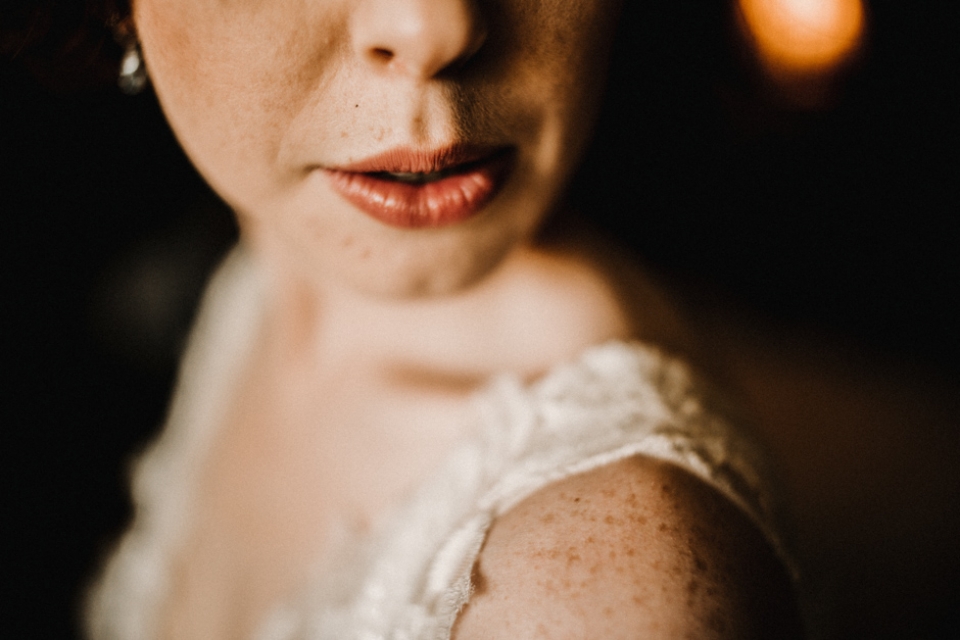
{"x": 414, "y": 405}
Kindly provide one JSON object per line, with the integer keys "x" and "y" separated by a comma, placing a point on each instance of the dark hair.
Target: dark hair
{"x": 66, "y": 44}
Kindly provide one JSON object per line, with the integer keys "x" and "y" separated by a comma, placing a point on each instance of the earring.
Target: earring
{"x": 133, "y": 73}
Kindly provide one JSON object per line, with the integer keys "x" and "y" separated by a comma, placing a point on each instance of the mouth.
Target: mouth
{"x": 415, "y": 189}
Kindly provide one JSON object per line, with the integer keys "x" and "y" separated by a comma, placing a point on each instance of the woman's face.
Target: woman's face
{"x": 400, "y": 147}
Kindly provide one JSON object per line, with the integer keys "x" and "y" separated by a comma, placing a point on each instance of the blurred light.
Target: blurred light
{"x": 805, "y": 37}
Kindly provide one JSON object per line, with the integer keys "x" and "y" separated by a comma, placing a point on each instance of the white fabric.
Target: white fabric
{"x": 409, "y": 578}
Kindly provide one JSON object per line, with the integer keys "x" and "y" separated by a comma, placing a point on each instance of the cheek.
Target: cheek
{"x": 544, "y": 79}
{"x": 576, "y": 53}
{"x": 230, "y": 80}
{"x": 566, "y": 40}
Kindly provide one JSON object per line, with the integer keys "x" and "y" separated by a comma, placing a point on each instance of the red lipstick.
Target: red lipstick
{"x": 413, "y": 189}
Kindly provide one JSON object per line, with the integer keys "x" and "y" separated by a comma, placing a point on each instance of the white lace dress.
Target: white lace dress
{"x": 409, "y": 578}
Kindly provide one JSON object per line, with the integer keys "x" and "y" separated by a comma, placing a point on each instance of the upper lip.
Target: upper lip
{"x": 411, "y": 160}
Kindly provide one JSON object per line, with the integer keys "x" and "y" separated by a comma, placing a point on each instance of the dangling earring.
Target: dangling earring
{"x": 133, "y": 73}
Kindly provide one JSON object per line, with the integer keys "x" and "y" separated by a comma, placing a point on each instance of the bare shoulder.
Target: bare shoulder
{"x": 636, "y": 549}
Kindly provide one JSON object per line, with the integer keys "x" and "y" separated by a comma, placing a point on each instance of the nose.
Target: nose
{"x": 416, "y": 38}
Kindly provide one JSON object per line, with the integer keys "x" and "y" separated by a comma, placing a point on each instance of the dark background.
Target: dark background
{"x": 842, "y": 220}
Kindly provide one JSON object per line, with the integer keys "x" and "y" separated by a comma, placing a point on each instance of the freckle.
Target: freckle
{"x": 637, "y": 600}
{"x": 631, "y": 553}
{"x": 662, "y": 528}
{"x": 692, "y": 587}
{"x": 699, "y": 563}
{"x": 608, "y": 611}
{"x": 590, "y": 540}
{"x": 343, "y": 134}
{"x": 609, "y": 520}
{"x": 577, "y": 499}
{"x": 612, "y": 555}
{"x": 355, "y": 106}
{"x": 547, "y": 519}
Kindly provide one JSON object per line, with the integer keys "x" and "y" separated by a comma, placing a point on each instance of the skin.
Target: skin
{"x": 398, "y": 327}
{"x": 528, "y": 76}
{"x": 636, "y": 549}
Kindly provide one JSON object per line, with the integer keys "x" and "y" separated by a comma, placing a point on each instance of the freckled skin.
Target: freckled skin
{"x": 259, "y": 92}
{"x": 712, "y": 576}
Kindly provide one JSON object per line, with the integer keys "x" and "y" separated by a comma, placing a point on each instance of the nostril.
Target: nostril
{"x": 381, "y": 55}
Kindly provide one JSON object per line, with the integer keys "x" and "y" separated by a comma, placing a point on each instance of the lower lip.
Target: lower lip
{"x": 450, "y": 200}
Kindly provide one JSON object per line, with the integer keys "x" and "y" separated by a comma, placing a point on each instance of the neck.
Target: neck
{"x": 324, "y": 321}
{"x": 541, "y": 306}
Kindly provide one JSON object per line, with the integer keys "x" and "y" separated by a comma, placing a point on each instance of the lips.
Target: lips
{"x": 413, "y": 189}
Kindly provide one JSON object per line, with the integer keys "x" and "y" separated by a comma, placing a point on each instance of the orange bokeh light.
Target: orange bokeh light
{"x": 804, "y": 36}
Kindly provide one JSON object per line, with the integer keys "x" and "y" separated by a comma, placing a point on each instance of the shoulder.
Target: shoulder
{"x": 638, "y": 548}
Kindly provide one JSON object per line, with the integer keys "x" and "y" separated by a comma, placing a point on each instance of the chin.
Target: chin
{"x": 339, "y": 248}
